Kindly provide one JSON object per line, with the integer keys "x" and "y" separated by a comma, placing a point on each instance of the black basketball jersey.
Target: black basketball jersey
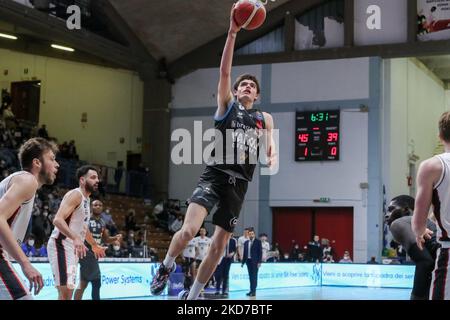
{"x": 240, "y": 129}
{"x": 96, "y": 227}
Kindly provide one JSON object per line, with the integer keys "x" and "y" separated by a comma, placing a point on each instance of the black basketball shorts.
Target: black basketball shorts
{"x": 227, "y": 192}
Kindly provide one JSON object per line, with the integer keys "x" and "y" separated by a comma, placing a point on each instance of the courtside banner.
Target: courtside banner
{"x": 132, "y": 279}
{"x": 119, "y": 280}
{"x": 368, "y": 275}
{"x": 276, "y": 275}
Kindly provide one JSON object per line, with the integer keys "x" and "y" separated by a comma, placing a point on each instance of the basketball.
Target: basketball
{"x": 249, "y": 14}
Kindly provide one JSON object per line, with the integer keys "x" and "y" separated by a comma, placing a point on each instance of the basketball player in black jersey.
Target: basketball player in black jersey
{"x": 224, "y": 182}
{"x": 398, "y": 218}
{"x": 89, "y": 267}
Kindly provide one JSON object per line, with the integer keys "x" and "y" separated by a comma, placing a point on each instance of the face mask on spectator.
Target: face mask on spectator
{"x": 31, "y": 243}
{"x": 116, "y": 248}
{"x": 45, "y": 214}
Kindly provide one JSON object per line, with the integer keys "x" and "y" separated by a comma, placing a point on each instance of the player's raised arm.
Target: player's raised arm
{"x": 224, "y": 94}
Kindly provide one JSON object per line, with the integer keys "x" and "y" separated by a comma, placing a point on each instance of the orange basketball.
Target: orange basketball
{"x": 249, "y": 14}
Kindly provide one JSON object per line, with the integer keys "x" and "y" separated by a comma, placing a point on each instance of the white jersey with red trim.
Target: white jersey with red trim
{"x": 19, "y": 221}
{"x": 78, "y": 220}
{"x": 441, "y": 202}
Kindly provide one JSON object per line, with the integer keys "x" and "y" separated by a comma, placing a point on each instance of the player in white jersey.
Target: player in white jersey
{"x": 433, "y": 188}
{"x": 202, "y": 243}
{"x": 189, "y": 268}
{"x": 265, "y": 246}
{"x": 17, "y": 191}
{"x": 66, "y": 244}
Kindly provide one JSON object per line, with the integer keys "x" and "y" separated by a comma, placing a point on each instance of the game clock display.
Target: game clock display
{"x": 317, "y": 136}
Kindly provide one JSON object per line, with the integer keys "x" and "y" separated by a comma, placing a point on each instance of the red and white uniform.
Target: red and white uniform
{"x": 11, "y": 286}
{"x": 61, "y": 251}
{"x": 440, "y": 285}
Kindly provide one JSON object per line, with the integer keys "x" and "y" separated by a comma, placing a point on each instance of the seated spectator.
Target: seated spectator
{"x": 47, "y": 217}
{"x": 153, "y": 254}
{"x": 54, "y": 200}
{"x": 5, "y": 174}
{"x": 295, "y": 253}
{"x": 118, "y": 173}
{"x": 131, "y": 242}
{"x": 139, "y": 240}
{"x": 274, "y": 255}
{"x": 64, "y": 150}
{"x": 326, "y": 248}
{"x": 286, "y": 258}
{"x": 116, "y": 251}
{"x": 42, "y": 132}
{"x": 346, "y": 258}
{"x": 328, "y": 258}
{"x": 173, "y": 210}
{"x": 130, "y": 221}
{"x": 109, "y": 222}
{"x": 177, "y": 224}
{"x": 42, "y": 252}
{"x": 28, "y": 247}
{"x": 161, "y": 216}
{"x": 372, "y": 261}
{"x": 3, "y": 165}
{"x": 103, "y": 180}
{"x": 147, "y": 218}
{"x": 40, "y": 224}
{"x": 72, "y": 151}
{"x": 9, "y": 117}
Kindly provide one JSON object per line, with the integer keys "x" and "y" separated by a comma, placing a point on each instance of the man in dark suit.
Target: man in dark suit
{"x": 252, "y": 257}
{"x": 223, "y": 269}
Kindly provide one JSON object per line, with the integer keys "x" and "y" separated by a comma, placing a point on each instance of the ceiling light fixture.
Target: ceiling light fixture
{"x": 8, "y": 36}
{"x": 56, "y": 46}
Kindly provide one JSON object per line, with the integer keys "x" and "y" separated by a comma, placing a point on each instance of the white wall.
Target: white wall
{"x": 183, "y": 177}
{"x": 112, "y": 99}
{"x": 447, "y": 99}
{"x": 199, "y": 88}
{"x": 415, "y": 102}
{"x": 320, "y": 80}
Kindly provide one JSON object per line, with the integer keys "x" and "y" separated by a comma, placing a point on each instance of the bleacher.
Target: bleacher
{"x": 119, "y": 205}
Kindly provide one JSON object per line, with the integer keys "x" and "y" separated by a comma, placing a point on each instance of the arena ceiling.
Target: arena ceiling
{"x": 175, "y": 36}
{"x": 171, "y": 28}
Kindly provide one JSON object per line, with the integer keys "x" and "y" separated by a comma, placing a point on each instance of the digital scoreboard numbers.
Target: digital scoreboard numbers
{"x": 317, "y": 136}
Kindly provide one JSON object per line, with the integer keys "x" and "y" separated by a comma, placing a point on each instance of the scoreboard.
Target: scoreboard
{"x": 317, "y": 136}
